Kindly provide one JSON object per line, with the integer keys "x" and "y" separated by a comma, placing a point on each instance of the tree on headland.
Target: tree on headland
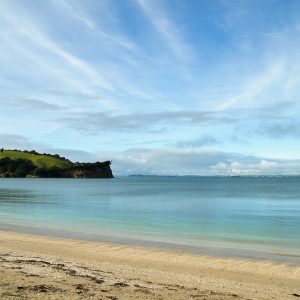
{"x": 16, "y": 167}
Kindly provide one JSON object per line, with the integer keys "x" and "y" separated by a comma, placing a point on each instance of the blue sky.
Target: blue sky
{"x": 158, "y": 87}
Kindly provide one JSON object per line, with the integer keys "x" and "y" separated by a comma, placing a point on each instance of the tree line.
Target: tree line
{"x": 25, "y": 168}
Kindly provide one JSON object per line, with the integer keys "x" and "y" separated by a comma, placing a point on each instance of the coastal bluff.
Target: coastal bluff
{"x": 31, "y": 164}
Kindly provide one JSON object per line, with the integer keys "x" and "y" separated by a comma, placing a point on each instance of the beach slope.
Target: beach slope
{"x": 34, "y": 267}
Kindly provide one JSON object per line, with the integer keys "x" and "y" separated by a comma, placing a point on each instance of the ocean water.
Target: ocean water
{"x": 231, "y": 216}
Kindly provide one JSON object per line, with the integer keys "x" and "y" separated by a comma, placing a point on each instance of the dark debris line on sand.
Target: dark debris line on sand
{"x": 42, "y": 288}
{"x": 92, "y": 283}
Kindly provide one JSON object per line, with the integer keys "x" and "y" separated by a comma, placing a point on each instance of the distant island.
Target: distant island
{"x": 19, "y": 164}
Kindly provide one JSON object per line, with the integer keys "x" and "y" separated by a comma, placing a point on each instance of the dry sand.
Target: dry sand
{"x": 33, "y": 267}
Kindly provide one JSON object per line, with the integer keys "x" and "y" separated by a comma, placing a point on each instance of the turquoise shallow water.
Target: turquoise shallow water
{"x": 231, "y": 216}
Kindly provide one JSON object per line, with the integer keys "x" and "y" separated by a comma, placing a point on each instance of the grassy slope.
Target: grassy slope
{"x": 41, "y": 161}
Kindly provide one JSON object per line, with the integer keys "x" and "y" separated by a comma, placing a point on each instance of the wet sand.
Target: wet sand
{"x": 36, "y": 267}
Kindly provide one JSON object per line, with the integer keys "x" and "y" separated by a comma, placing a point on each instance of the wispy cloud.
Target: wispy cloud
{"x": 168, "y": 30}
{"x": 26, "y": 28}
{"x": 20, "y": 142}
{"x": 204, "y": 140}
{"x": 31, "y": 104}
{"x": 141, "y": 121}
{"x": 255, "y": 86}
{"x": 13, "y": 141}
{"x": 77, "y": 12}
{"x": 280, "y": 129}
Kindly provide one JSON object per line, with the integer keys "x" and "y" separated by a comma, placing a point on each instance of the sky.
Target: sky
{"x": 167, "y": 87}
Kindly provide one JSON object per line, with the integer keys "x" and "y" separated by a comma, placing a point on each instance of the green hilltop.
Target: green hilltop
{"x": 17, "y": 163}
{"x": 39, "y": 160}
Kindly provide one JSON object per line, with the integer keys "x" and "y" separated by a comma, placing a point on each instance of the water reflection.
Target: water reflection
{"x": 18, "y": 196}
{"x": 15, "y": 199}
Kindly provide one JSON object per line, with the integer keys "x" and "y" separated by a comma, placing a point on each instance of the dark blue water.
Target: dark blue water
{"x": 250, "y": 215}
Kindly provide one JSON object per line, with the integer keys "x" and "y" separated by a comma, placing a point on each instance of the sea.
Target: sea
{"x": 248, "y": 217}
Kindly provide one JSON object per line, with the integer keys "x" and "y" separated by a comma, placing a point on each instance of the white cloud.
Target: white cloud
{"x": 177, "y": 161}
{"x": 77, "y": 12}
{"x": 261, "y": 167}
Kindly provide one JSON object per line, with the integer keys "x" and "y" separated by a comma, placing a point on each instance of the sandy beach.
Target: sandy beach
{"x": 35, "y": 267}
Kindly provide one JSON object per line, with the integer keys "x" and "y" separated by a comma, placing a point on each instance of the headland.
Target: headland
{"x": 17, "y": 163}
